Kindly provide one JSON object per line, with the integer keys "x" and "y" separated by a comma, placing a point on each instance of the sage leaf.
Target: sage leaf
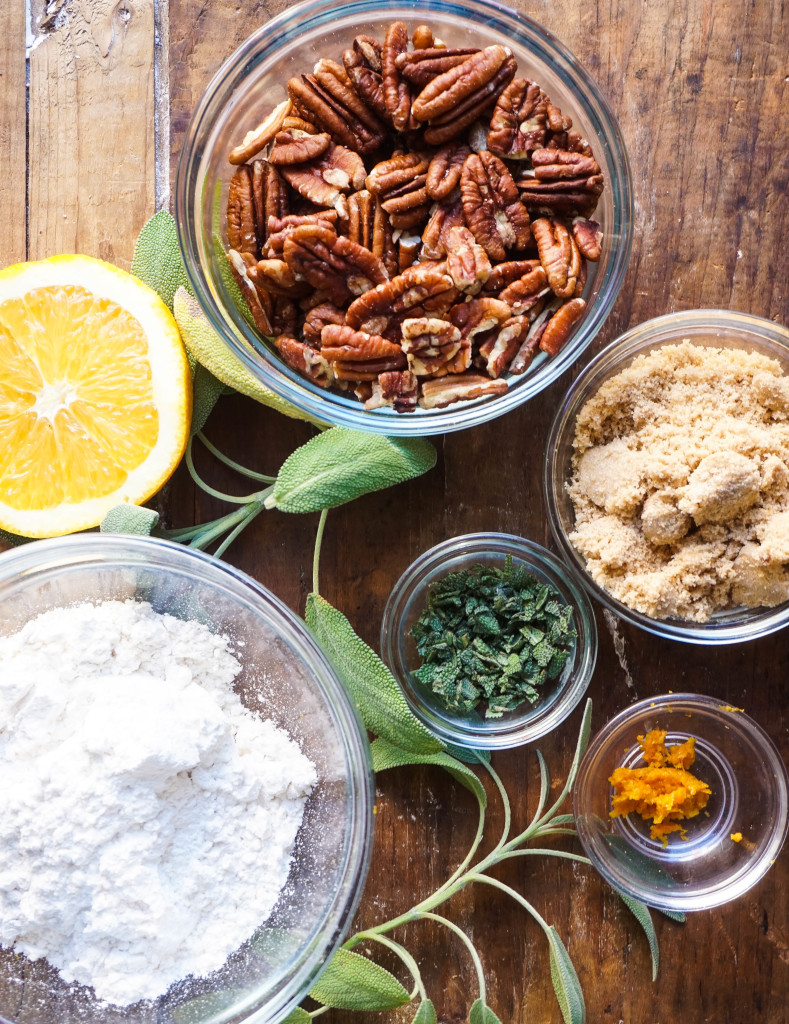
{"x": 207, "y": 390}
{"x": 157, "y": 258}
{"x": 481, "y": 1013}
{"x": 565, "y": 981}
{"x": 369, "y": 683}
{"x": 297, "y": 1016}
{"x": 127, "y": 518}
{"x": 640, "y": 912}
{"x": 386, "y": 755}
{"x": 471, "y": 755}
{"x": 352, "y": 982}
{"x": 674, "y": 915}
{"x": 426, "y": 1014}
{"x": 209, "y": 1008}
{"x": 341, "y": 464}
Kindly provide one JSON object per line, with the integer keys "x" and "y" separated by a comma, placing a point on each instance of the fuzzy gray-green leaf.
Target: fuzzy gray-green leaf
{"x": 157, "y": 258}
{"x": 565, "y": 981}
{"x": 640, "y": 912}
{"x": 386, "y": 755}
{"x": 674, "y": 915}
{"x": 426, "y": 1014}
{"x": 341, "y": 464}
{"x": 369, "y": 683}
{"x": 207, "y": 390}
{"x": 297, "y": 1016}
{"x": 353, "y": 982}
{"x": 481, "y": 1013}
{"x": 129, "y": 519}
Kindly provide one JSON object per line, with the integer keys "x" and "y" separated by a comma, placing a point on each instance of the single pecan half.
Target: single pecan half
{"x": 559, "y": 255}
{"x": 340, "y": 343}
{"x": 304, "y": 359}
{"x": 553, "y": 164}
{"x": 430, "y": 343}
{"x": 444, "y": 391}
{"x": 256, "y": 140}
{"x": 467, "y": 113}
{"x": 492, "y": 205}
{"x": 368, "y": 225}
{"x": 443, "y": 172}
{"x": 443, "y": 217}
{"x": 418, "y": 291}
{"x": 363, "y": 66}
{"x": 396, "y": 90}
{"x": 422, "y": 64}
{"x": 559, "y": 327}
{"x": 257, "y": 300}
{"x": 241, "y": 233}
{"x": 571, "y": 196}
{"x": 279, "y": 228}
{"x": 448, "y": 91}
{"x": 519, "y": 123}
{"x": 332, "y": 263}
{"x": 526, "y": 292}
{"x": 397, "y": 388}
{"x": 328, "y": 99}
{"x": 588, "y": 237}
{"x": 297, "y": 147}
{"x": 326, "y": 181}
{"x": 278, "y": 278}
{"x": 503, "y": 274}
{"x": 467, "y": 262}
{"x": 530, "y": 345}
{"x": 319, "y": 317}
{"x": 400, "y": 183}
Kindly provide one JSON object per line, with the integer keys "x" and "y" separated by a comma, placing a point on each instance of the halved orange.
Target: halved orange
{"x": 95, "y": 394}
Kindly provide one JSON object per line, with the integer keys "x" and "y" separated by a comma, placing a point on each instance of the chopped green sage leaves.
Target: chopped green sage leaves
{"x": 492, "y": 636}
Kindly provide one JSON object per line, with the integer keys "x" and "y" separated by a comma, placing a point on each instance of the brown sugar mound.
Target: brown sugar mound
{"x": 681, "y": 482}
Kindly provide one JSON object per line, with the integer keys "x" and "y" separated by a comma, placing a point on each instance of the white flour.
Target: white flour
{"x": 146, "y": 818}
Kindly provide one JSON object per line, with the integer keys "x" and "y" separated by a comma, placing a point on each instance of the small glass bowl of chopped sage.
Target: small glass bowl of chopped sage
{"x": 491, "y": 639}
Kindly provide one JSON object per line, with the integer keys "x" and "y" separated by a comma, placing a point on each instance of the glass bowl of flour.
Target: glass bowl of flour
{"x": 186, "y": 807}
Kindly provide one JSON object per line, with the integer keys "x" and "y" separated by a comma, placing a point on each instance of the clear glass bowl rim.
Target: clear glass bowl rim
{"x": 662, "y": 330}
{"x": 531, "y": 553}
{"x": 150, "y": 552}
{"x": 672, "y": 899}
{"x": 189, "y": 180}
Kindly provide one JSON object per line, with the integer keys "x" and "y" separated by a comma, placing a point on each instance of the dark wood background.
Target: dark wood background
{"x": 701, "y": 91}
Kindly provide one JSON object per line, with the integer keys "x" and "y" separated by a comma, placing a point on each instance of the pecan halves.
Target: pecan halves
{"x": 304, "y": 359}
{"x": 519, "y": 123}
{"x": 280, "y": 227}
{"x": 332, "y": 263}
{"x": 362, "y": 64}
{"x": 467, "y": 262}
{"x": 430, "y": 344}
{"x": 396, "y": 90}
{"x": 444, "y": 391}
{"x": 588, "y": 237}
{"x": 297, "y": 147}
{"x": 446, "y": 92}
{"x": 492, "y": 206}
{"x": 258, "y": 300}
{"x": 418, "y": 291}
{"x": 423, "y": 64}
{"x": 357, "y": 355}
{"x": 256, "y": 140}
{"x": 526, "y": 292}
{"x": 497, "y": 352}
{"x": 241, "y": 233}
{"x": 319, "y": 317}
{"x": 328, "y": 99}
{"x": 559, "y": 255}
{"x": 443, "y": 217}
{"x": 399, "y": 389}
{"x": 559, "y": 327}
{"x": 326, "y": 181}
{"x": 443, "y": 172}
{"x": 479, "y": 316}
{"x": 368, "y": 225}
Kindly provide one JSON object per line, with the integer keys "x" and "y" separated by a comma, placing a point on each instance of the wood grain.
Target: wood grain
{"x": 13, "y": 134}
{"x": 91, "y": 127}
{"x": 699, "y": 92}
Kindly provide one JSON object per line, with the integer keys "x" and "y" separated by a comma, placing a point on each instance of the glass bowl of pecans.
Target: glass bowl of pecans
{"x": 404, "y": 223}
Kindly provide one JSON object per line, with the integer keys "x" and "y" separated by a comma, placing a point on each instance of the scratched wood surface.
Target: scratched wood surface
{"x": 700, "y": 91}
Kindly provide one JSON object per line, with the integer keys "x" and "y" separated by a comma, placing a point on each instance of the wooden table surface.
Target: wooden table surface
{"x": 88, "y": 152}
